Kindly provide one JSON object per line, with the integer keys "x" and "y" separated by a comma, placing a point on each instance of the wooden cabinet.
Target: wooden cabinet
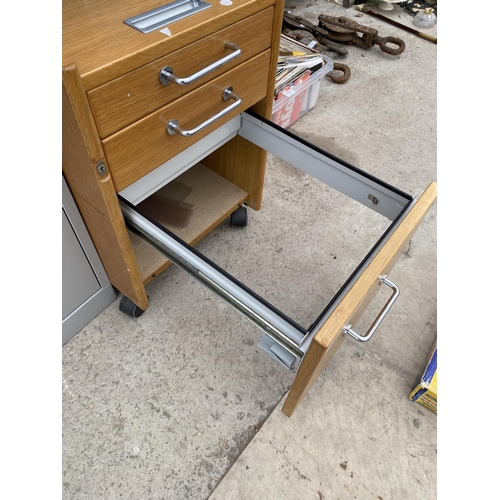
{"x": 149, "y": 115}
{"x": 116, "y": 110}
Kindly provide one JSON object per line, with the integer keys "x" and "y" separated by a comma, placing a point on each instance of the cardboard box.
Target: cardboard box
{"x": 425, "y": 391}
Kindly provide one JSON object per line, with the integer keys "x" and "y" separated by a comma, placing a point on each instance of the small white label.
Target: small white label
{"x": 289, "y": 93}
{"x": 166, "y": 31}
{"x": 226, "y": 2}
{"x": 312, "y": 44}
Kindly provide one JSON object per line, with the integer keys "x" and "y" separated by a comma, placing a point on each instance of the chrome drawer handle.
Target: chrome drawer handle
{"x": 173, "y": 125}
{"x": 167, "y": 76}
{"x": 383, "y": 279}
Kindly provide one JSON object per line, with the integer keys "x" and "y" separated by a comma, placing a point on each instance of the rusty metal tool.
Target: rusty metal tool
{"x": 342, "y": 29}
{"x": 366, "y": 10}
{"x": 297, "y": 22}
{"x": 305, "y": 37}
{"x": 346, "y": 73}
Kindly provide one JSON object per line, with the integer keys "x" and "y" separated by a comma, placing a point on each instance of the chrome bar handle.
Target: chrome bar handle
{"x": 173, "y": 125}
{"x": 167, "y": 76}
{"x": 395, "y": 294}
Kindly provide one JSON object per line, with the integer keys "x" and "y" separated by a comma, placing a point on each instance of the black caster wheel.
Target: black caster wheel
{"x": 239, "y": 218}
{"x": 129, "y": 308}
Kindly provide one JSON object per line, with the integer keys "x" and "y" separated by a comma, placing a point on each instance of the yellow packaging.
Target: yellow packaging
{"x": 426, "y": 389}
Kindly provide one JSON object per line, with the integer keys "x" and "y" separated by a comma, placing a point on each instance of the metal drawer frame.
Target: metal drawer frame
{"x": 283, "y": 339}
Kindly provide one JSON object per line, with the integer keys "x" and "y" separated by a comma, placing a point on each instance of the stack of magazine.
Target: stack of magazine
{"x": 296, "y": 63}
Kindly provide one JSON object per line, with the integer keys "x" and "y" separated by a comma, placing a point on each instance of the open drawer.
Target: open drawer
{"x": 305, "y": 350}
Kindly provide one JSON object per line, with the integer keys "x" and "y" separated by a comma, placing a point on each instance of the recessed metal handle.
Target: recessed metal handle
{"x": 167, "y": 76}
{"x": 173, "y": 125}
{"x": 363, "y": 338}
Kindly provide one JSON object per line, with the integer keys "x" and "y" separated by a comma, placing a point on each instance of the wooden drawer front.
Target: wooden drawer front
{"x": 124, "y": 100}
{"x": 331, "y": 335}
{"x": 140, "y": 148}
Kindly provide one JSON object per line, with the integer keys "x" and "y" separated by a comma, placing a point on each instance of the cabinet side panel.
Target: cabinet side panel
{"x": 95, "y": 195}
{"x": 265, "y": 107}
{"x": 243, "y": 164}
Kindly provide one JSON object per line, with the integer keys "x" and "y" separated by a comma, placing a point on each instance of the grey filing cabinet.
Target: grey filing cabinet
{"x": 86, "y": 290}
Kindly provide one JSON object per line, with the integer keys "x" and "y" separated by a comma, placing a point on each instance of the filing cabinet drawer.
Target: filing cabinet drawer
{"x": 126, "y": 99}
{"x": 140, "y": 148}
{"x": 295, "y": 345}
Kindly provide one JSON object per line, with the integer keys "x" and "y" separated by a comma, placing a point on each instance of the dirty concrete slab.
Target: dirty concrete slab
{"x": 162, "y": 407}
{"x": 356, "y": 434}
{"x": 355, "y": 437}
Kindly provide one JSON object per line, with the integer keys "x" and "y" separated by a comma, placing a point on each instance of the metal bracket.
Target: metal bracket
{"x": 286, "y": 334}
{"x": 173, "y": 126}
{"x": 363, "y": 338}
{"x": 101, "y": 169}
{"x": 167, "y": 76}
{"x": 161, "y": 16}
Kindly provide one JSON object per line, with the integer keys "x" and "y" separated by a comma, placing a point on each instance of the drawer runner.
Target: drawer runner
{"x": 348, "y": 179}
{"x": 283, "y": 339}
{"x": 285, "y": 334}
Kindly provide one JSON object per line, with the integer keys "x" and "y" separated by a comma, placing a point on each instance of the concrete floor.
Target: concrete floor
{"x": 182, "y": 404}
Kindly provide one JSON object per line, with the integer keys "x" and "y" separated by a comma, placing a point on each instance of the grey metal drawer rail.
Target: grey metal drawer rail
{"x": 283, "y": 339}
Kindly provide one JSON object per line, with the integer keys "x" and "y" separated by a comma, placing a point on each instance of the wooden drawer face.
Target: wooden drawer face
{"x": 140, "y": 148}
{"x": 138, "y": 93}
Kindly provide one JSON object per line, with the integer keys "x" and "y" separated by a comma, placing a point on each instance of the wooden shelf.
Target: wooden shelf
{"x": 190, "y": 206}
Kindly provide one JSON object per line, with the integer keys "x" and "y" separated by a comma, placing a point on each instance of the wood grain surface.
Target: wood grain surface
{"x": 240, "y": 161}
{"x": 103, "y": 47}
{"x": 190, "y": 206}
{"x": 138, "y": 149}
{"x": 94, "y": 194}
{"x": 122, "y": 101}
